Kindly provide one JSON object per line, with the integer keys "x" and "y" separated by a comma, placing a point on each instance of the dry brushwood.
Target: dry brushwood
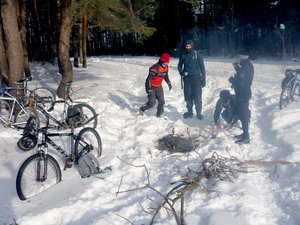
{"x": 216, "y": 166}
{"x": 176, "y": 143}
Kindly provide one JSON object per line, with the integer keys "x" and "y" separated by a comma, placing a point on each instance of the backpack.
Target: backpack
{"x": 74, "y": 116}
{"x": 88, "y": 165}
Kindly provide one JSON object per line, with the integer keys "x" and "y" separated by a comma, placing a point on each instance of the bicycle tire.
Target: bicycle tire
{"x": 88, "y": 139}
{"x": 284, "y": 98}
{"x": 89, "y": 116}
{"x": 295, "y": 93}
{"x": 27, "y": 183}
{"x": 5, "y": 110}
{"x": 22, "y": 116}
{"x": 44, "y": 96}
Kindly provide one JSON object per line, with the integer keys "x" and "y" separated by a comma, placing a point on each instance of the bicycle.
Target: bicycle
{"x": 41, "y": 171}
{"x": 73, "y": 115}
{"x": 10, "y": 104}
{"x": 43, "y": 95}
{"x": 290, "y": 87}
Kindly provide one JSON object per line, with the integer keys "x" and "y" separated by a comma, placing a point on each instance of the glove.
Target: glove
{"x": 170, "y": 87}
{"x": 203, "y": 83}
{"x": 231, "y": 80}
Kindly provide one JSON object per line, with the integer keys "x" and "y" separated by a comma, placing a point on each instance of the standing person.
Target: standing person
{"x": 157, "y": 73}
{"x": 241, "y": 83}
{"x": 192, "y": 71}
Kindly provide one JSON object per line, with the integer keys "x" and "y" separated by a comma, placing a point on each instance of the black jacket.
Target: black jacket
{"x": 221, "y": 105}
{"x": 191, "y": 62}
{"x": 242, "y": 80}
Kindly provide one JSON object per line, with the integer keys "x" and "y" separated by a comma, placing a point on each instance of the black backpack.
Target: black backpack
{"x": 74, "y": 116}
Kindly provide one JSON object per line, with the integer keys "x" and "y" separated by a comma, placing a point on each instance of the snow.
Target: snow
{"x": 114, "y": 86}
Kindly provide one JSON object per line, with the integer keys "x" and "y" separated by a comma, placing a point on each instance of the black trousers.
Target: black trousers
{"x": 244, "y": 113}
{"x": 193, "y": 93}
{"x": 157, "y": 93}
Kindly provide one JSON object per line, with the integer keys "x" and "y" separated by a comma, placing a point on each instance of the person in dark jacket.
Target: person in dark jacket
{"x": 241, "y": 83}
{"x": 192, "y": 71}
{"x": 157, "y": 73}
{"x": 226, "y": 106}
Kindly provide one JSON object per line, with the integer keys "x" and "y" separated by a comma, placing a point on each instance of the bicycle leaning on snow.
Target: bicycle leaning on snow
{"x": 74, "y": 114}
{"x": 9, "y": 103}
{"x": 290, "y": 87}
{"x": 41, "y": 171}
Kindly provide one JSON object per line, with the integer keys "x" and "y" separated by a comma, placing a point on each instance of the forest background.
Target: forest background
{"x": 55, "y": 30}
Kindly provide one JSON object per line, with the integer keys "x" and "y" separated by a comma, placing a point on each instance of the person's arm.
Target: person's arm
{"x": 180, "y": 66}
{"x": 168, "y": 81}
{"x": 202, "y": 67}
{"x": 218, "y": 110}
{"x": 152, "y": 73}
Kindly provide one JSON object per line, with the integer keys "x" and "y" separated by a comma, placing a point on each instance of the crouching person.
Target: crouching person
{"x": 226, "y": 106}
{"x": 157, "y": 73}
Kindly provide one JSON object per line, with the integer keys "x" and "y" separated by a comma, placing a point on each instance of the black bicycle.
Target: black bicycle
{"x": 41, "y": 171}
{"x": 290, "y": 87}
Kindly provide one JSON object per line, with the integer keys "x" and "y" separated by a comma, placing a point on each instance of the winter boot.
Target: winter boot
{"x": 239, "y": 136}
{"x": 199, "y": 116}
{"x": 188, "y": 114}
{"x": 243, "y": 140}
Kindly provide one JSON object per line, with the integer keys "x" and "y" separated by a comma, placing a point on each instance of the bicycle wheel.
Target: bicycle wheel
{"x": 88, "y": 116}
{"x": 29, "y": 139}
{"x": 5, "y": 110}
{"x": 22, "y": 116}
{"x": 43, "y": 96}
{"x": 295, "y": 92}
{"x": 284, "y": 98}
{"x": 88, "y": 140}
{"x": 32, "y": 179}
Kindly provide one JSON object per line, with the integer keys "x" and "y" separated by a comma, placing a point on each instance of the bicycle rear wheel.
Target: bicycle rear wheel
{"x": 5, "y": 110}
{"x": 88, "y": 116}
{"x": 43, "y": 96}
{"x": 88, "y": 140}
{"x": 284, "y": 98}
{"x": 33, "y": 179}
{"x": 22, "y": 116}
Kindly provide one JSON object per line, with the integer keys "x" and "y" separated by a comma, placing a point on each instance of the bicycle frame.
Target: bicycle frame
{"x": 14, "y": 103}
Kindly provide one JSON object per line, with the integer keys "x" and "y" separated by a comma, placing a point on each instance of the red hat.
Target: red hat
{"x": 165, "y": 57}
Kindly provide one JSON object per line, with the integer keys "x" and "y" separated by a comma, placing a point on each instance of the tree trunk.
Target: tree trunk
{"x": 14, "y": 49}
{"x": 3, "y": 61}
{"x": 23, "y": 38}
{"x": 84, "y": 37}
{"x": 64, "y": 48}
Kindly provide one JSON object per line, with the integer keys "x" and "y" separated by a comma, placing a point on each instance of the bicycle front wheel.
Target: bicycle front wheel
{"x": 284, "y": 98}
{"x": 87, "y": 114}
{"x": 295, "y": 93}
{"x": 37, "y": 174}
{"x": 88, "y": 140}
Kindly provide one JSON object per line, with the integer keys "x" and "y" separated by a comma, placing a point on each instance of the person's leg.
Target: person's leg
{"x": 161, "y": 101}
{"x": 197, "y": 96}
{"x": 150, "y": 103}
{"x": 244, "y": 116}
{"x": 188, "y": 98}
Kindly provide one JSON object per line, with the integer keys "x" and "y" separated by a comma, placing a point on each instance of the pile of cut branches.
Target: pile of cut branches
{"x": 176, "y": 143}
{"x": 214, "y": 167}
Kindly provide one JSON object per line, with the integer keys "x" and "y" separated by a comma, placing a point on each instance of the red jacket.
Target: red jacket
{"x": 157, "y": 73}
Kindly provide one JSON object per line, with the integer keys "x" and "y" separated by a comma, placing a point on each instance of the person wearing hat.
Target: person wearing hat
{"x": 157, "y": 73}
{"x": 192, "y": 71}
{"x": 226, "y": 106}
{"x": 241, "y": 83}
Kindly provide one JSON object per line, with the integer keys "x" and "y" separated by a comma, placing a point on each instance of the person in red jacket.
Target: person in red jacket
{"x": 157, "y": 73}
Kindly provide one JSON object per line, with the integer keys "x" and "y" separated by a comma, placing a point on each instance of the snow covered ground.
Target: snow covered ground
{"x": 114, "y": 86}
